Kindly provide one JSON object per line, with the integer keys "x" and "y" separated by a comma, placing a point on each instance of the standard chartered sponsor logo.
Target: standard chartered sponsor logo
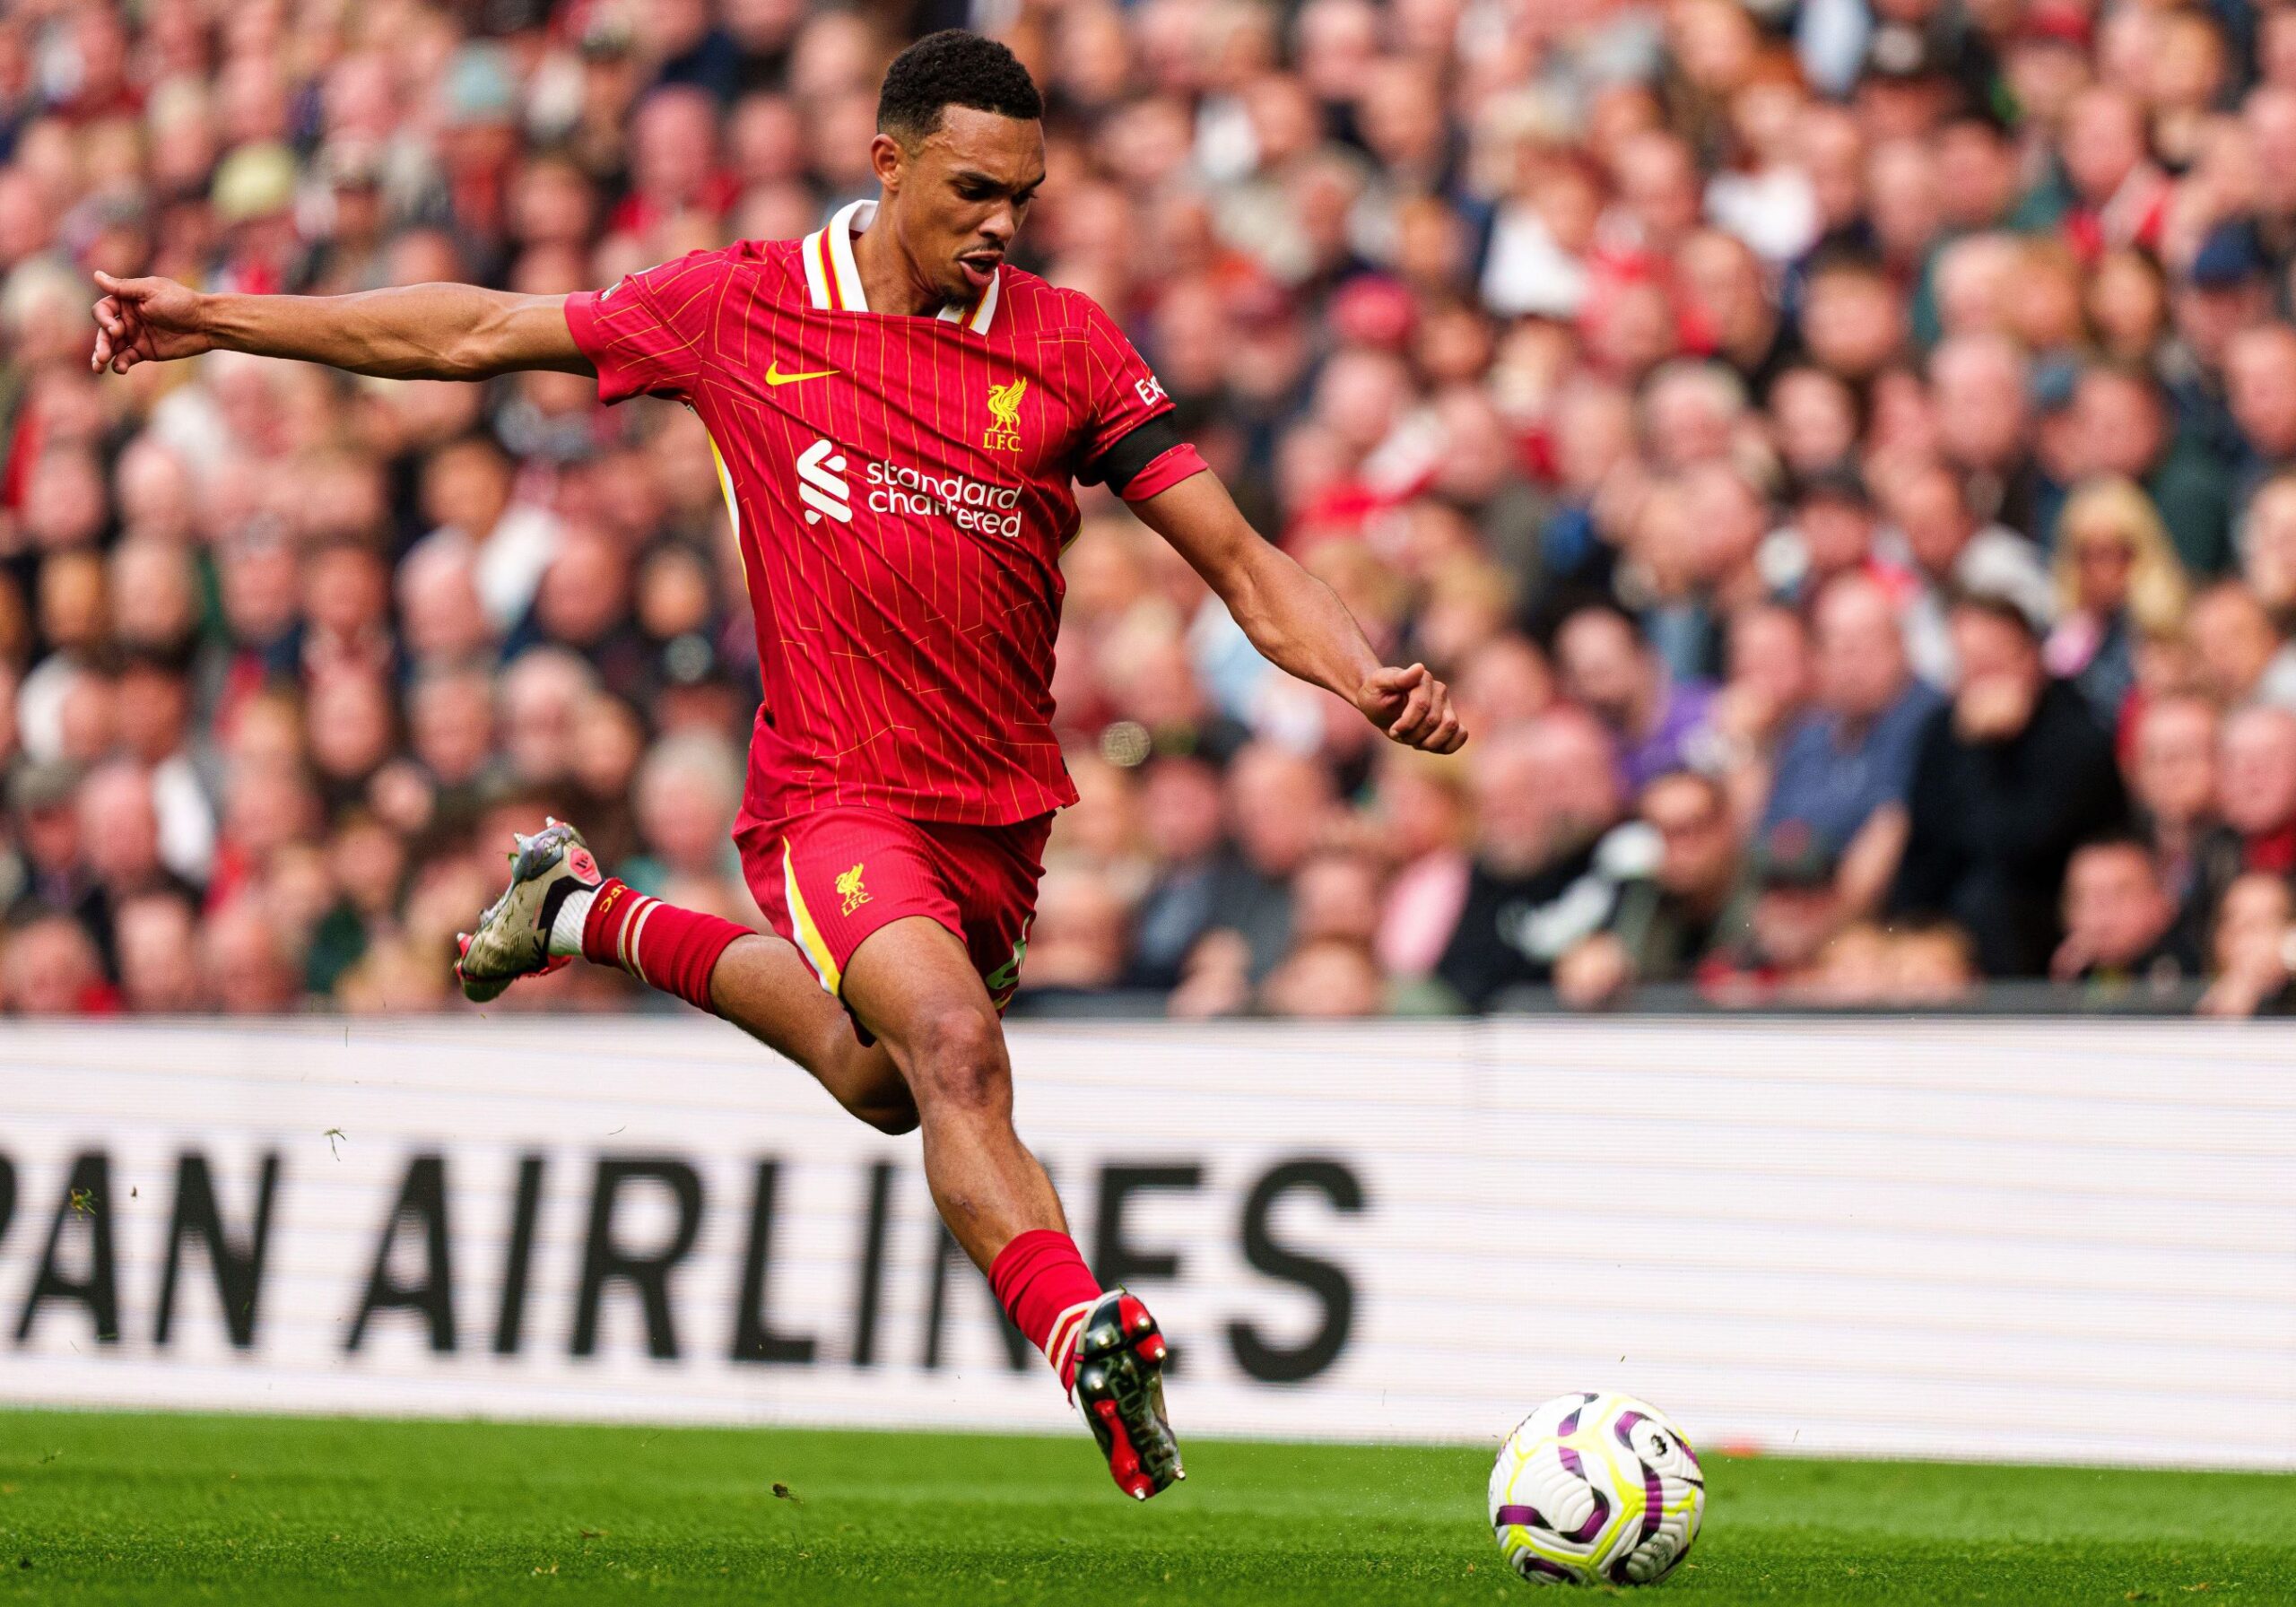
{"x": 820, "y": 483}
{"x": 965, "y": 502}
{"x": 969, "y": 504}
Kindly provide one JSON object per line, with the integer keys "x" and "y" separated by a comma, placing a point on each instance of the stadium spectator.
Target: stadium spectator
{"x": 156, "y": 937}
{"x": 2258, "y": 779}
{"x": 1544, "y": 795}
{"x": 2117, "y": 581}
{"x": 1665, "y": 921}
{"x": 1936, "y": 540}
{"x": 1833, "y": 515}
{"x": 119, "y": 832}
{"x": 1793, "y": 906}
{"x": 2239, "y": 655}
{"x": 1716, "y": 354}
{"x": 2120, "y": 922}
{"x": 1076, "y": 942}
{"x": 1180, "y": 820}
{"x": 1327, "y": 978}
{"x": 1656, "y": 720}
{"x": 1422, "y": 829}
{"x": 2006, "y": 782}
{"x": 156, "y": 731}
{"x": 2124, "y": 428}
{"x": 51, "y": 968}
{"x": 2172, "y": 774}
{"x": 244, "y": 959}
{"x": 1844, "y": 769}
{"x": 1279, "y": 804}
{"x": 2251, "y": 948}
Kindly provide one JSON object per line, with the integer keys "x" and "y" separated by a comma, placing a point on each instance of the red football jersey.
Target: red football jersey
{"x": 902, "y": 488}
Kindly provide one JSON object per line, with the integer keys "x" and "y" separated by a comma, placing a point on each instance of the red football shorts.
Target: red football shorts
{"x": 828, "y": 878}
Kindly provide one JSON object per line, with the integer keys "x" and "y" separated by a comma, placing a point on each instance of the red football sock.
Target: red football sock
{"x": 1044, "y": 1286}
{"x": 660, "y": 944}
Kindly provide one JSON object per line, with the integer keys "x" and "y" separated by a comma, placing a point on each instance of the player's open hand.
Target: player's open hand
{"x": 146, "y": 320}
{"x": 1412, "y": 707}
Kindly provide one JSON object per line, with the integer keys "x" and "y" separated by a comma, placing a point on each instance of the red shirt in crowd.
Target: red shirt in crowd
{"x": 902, "y": 488}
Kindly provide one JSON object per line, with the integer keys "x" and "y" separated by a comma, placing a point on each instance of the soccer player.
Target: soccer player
{"x": 898, "y": 416}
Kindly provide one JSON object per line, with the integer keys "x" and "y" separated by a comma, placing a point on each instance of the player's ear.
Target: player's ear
{"x": 887, "y": 156}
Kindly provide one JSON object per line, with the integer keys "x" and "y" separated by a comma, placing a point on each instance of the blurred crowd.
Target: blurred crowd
{"x": 1842, "y": 452}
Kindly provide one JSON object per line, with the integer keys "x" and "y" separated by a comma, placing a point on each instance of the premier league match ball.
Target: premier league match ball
{"x": 1595, "y": 1489}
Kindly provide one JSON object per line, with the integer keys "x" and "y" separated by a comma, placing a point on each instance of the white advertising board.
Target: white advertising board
{"x": 2027, "y": 1240}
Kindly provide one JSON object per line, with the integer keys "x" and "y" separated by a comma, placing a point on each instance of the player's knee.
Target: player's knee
{"x": 959, "y": 1060}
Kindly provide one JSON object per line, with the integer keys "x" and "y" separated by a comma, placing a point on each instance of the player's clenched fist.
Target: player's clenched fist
{"x": 1413, "y": 708}
{"x": 146, "y": 320}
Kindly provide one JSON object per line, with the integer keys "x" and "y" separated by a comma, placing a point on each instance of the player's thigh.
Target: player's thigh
{"x": 913, "y": 984}
{"x": 767, "y": 989}
{"x": 828, "y": 881}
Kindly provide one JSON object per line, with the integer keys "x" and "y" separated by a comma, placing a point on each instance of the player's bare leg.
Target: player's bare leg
{"x": 762, "y": 985}
{"x": 940, "y": 1060}
{"x": 912, "y": 983}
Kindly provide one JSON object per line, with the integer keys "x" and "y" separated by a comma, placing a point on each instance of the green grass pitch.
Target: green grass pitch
{"x": 120, "y": 1508}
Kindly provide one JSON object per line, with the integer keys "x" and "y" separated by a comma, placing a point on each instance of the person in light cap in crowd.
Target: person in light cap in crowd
{"x": 254, "y": 200}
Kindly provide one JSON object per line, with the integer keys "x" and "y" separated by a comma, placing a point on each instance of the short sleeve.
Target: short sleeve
{"x": 645, "y": 333}
{"x": 1126, "y": 392}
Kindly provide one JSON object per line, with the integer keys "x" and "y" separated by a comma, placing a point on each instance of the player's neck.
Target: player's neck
{"x": 887, "y": 278}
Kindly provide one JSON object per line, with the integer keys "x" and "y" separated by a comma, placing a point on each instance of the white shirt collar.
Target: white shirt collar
{"x": 833, "y": 279}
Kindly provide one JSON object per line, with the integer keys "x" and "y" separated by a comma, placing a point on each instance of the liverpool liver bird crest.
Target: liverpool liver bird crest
{"x": 1004, "y": 416}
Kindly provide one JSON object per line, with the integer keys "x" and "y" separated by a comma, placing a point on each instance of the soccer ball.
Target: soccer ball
{"x": 1595, "y": 1489}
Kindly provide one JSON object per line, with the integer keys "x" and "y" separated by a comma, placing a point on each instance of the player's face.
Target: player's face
{"x": 958, "y": 197}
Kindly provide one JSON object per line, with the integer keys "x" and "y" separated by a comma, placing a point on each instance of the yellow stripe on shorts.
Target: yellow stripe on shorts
{"x": 809, "y": 936}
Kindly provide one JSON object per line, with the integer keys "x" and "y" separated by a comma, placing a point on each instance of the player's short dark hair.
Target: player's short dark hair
{"x": 950, "y": 68}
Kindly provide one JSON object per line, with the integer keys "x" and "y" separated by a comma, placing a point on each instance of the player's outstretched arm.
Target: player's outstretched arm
{"x": 417, "y": 331}
{"x": 1296, "y": 621}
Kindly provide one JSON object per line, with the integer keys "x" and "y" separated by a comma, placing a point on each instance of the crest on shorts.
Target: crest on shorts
{"x": 850, "y": 889}
{"x": 1004, "y": 416}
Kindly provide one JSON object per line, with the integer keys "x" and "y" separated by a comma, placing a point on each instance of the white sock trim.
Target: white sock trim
{"x": 1065, "y": 1328}
{"x": 636, "y": 963}
{"x": 566, "y": 930}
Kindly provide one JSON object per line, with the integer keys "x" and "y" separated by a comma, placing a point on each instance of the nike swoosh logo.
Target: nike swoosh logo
{"x": 774, "y": 375}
